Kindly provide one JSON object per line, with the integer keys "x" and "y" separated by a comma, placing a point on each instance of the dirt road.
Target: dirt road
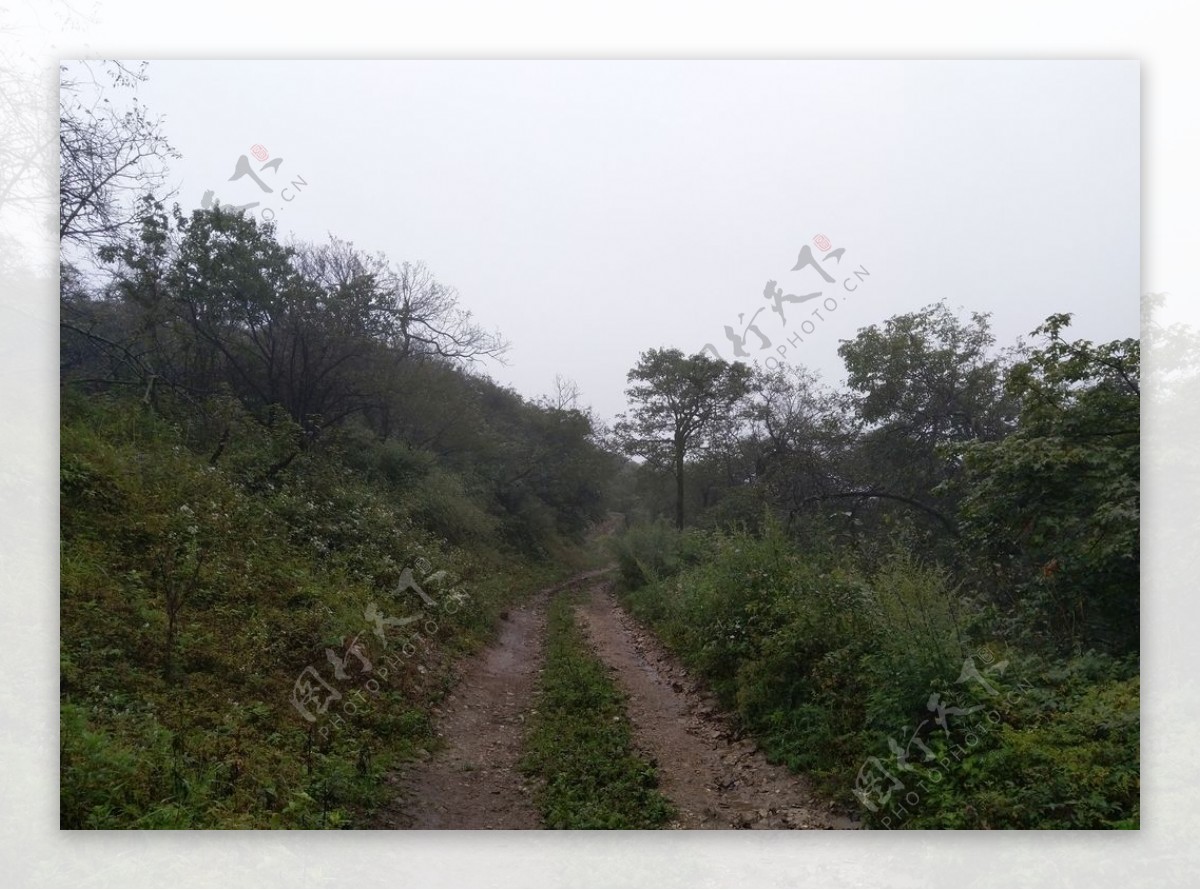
{"x": 713, "y": 779}
{"x": 474, "y": 782}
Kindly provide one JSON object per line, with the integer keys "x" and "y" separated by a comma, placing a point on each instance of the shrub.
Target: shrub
{"x": 650, "y": 551}
{"x": 834, "y": 666}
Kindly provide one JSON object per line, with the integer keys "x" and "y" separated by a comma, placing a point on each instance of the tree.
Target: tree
{"x": 109, "y": 158}
{"x": 325, "y": 331}
{"x": 679, "y": 405}
{"x": 1055, "y": 505}
{"x": 427, "y": 319}
{"x": 930, "y": 375}
{"x": 922, "y": 382}
{"x": 111, "y": 162}
{"x": 802, "y": 438}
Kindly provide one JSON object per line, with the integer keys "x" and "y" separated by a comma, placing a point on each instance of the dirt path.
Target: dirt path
{"x": 714, "y": 780}
{"x": 474, "y": 782}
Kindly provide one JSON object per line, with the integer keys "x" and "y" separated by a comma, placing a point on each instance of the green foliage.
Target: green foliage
{"x": 647, "y": 552}
{"x": 951, "y": 498}
{"x": 442, "y": 503}
{"x": 930, "y": 372}
{"x": 1056, "y": 505}
{"x": 192, "y": 599}
{"x": 801, "y": 644}
{"x": 918, "y": 382}
{"x": 307, "y": 430}
{"x": 580, "y": 748}
{"x": 681, "y": 404}
{"x": 210, "y": 315}
{"x": 1053, "y": 748}
{"x": 828, "y": 661}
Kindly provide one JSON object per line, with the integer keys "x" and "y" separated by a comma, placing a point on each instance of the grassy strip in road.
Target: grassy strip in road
{"x": 580, "y": 746}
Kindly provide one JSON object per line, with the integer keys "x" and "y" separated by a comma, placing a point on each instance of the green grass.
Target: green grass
{"x": 580, "y": 746}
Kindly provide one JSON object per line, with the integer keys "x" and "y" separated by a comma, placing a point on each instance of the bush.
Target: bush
{"x": 1052, "y": 749}
{"x": 648, "y": 552}
{"x": 837, "y": 668}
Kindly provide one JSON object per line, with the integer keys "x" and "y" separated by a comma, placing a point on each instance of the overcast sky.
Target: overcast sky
{"x": 590, "y": 210}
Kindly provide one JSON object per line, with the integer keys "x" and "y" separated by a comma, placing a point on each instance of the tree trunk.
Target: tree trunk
{"x": 679, "y": 486}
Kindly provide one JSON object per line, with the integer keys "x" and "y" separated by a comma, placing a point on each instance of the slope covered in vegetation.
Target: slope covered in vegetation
{"x": 205, "y": 621}
{"x": 287, "y": 502}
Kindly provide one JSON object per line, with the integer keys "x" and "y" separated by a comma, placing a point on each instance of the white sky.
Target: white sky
{"x": 594, "y": 209}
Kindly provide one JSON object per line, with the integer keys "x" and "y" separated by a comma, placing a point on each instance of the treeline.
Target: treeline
{"x": 923, "y": 588}
{"x": 290, "y": 498}
{"x": 210, "y": 320}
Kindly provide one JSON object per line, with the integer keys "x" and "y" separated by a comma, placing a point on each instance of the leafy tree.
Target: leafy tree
{"x": 322, "y": 330}
{"x": 680, "y": 405}
{"x": 802, "y": 435}
{"x": 929, "y": 374}
{"x": 921, "y": 382}
{"x": 1056, "y": 504}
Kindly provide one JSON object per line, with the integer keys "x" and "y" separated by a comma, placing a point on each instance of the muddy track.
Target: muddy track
{"x": 714, "y": 779}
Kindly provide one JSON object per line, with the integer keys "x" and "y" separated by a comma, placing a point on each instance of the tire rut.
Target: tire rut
{"x": 474, "y": 781}
{"x": 715, "y": 779}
